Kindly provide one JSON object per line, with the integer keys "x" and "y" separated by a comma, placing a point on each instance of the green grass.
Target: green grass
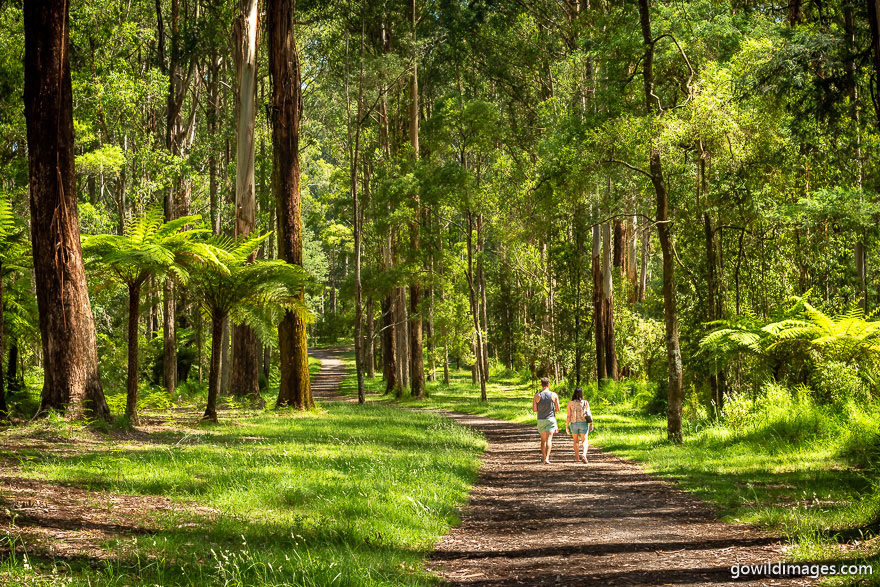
{"x": 806, "y": 471}
{"x": 343, "y": 495}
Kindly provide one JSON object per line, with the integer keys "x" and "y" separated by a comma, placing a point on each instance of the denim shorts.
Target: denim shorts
{"x": 547, "y": 425}
{"x": 579, "y": 427}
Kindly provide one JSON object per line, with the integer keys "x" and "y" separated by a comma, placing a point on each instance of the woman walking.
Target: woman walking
{"x": 580, "y": 422}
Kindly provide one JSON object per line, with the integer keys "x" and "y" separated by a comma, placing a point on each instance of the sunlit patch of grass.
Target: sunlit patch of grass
{"x": 343, "y": 495}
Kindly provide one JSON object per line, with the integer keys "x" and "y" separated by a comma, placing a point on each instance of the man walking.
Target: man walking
{"x": 546, "y": 404}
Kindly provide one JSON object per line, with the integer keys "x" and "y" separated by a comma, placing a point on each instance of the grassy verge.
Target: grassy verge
{"x": 799, "y": 469}
{"x": 342, "y": 495}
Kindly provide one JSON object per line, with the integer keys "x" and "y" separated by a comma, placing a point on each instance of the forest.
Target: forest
{"x": 217, "y": 218}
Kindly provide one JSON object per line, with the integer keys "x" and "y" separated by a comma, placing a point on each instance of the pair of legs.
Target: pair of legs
{"x": 578, "y": 439}
{"x": 546, "y": 445}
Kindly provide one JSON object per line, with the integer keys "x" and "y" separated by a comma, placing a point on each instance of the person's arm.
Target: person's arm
{"x": 588, "y": 414}
{"x": 567, "y": 417}
{"x": 535, "y": 403}
{"x": 556, "y": 401}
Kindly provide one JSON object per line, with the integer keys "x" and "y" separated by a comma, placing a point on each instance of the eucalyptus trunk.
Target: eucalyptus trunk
{"x": 664, "y": 233}
{"x": 598, "y": 306}
{"x": 245, "y": 374}
{"x": 71, "y": 379}
{"x": 284, "y": 67}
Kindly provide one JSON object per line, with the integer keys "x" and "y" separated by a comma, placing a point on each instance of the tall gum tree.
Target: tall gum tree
{"x": 284, "y": 67}
{"x": 70, "y": 357}
{"x": 245, "y": 373}
{"x": 664, "y": 233}
{"x": 417, "y": 368}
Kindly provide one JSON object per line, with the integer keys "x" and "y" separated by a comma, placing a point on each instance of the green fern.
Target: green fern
{"x": 256, "y": 293}
{"x": 149, "y": 248}
{"x": 797, "y": 335}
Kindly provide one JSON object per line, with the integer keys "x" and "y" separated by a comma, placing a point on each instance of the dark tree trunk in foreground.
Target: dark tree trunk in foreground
{"x": 134, "y": 305}
{"x": 416, "y": 354}
{"x": 664, "y": 233}
{"x": 295, "y": 389}
{"x": 71, "y": 380}
{"x": 214, "y": 374}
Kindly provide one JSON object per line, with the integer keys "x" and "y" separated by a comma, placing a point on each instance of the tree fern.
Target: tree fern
{"x": 148, "y": 248}
{"x": 255, "y": 293}
{"x": 799, "y": 334}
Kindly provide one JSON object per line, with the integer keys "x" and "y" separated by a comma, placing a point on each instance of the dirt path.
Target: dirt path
{"x": 325, "y": 384}
{"x": 602, "y": 523}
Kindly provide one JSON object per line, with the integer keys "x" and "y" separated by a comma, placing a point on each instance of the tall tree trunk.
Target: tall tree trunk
{"x": 371, "y": 338}
{"x": 860, "y": 252}
{"x": 416, "y": 351}
{"x": 389, "y": 366}
{"x": 172, "y": 130}
{"x": 874, "y": 22}
{"x": 643, "y": 270}
{"x": 169, "y": 337}
{"x": 71, "y": 379}
{"x": 4, "y": 411}
{"x": 354, "y": 151}
{"x": 134, "y": 305}
{"x": 483, "y": 304}
{"x": 619, "y": 255}
{"x": 475, "y": 308}
{"x": 598, "y": 305}
{"x": 401, "y": 322}
{"x": 295, "y": 389}
{"x": 664, "y": 233}
{"x": 245, "y": 375}
{"x": 217, "y": 321}
{"x": 608, "y": 302}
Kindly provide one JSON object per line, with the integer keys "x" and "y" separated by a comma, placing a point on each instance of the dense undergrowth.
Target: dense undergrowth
{"x": 778, "y": 458}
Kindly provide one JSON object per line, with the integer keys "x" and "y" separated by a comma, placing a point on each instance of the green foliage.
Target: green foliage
{"x": 150, "y": 247}
{"x": 841, "y": 353}
{"x": 254, "y": 293}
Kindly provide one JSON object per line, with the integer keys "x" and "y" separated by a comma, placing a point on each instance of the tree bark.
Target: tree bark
{"x": 389, "y": 368}
{"x": 71, "y": 379}
{"x": 295, "y": 389}
{"x": 481, "y": 244}
{"x": 475, "y": 308}
{"x": 664, "y": 233}
{"x": 245, "y": 375}
{"x": 643, "y": 271}
{"x": 217, "y": 321}
{"x": 4, "y": 411}
{"x": 598, "y": 306}
{"x": 608, "y": 302}
{"x": 134, "y": 305}
{"x": 417, "y": 361}
{"x": 370, "y": 342}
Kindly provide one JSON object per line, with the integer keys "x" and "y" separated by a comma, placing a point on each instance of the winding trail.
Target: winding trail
{"x": 603, "y": 523}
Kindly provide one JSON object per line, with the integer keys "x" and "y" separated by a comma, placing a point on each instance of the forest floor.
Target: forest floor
{"x": 340, "y": 495}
